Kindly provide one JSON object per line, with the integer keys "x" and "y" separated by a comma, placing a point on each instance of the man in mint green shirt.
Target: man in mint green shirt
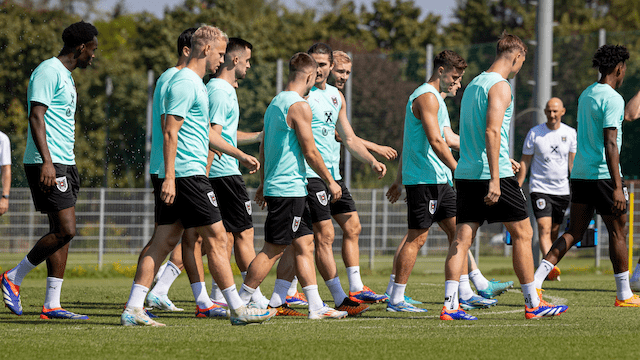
{"x": 596, "y": 179}
{"x": 50, "y": 166}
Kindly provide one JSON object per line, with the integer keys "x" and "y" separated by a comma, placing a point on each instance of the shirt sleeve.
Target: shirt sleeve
{"x": 613, "y": 112}
{"x": 528, "y": 148}
{"x": 573, "y": 147}
{"x": 218, "y": 107}
{"x": 179, "y": 98}
{"x": 5, "y": 150}
{"x": 42, "y": 87}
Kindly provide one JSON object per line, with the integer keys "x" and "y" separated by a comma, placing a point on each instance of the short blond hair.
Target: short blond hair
{"x": 207, "y": 34}
{"x": 341, "y": 57}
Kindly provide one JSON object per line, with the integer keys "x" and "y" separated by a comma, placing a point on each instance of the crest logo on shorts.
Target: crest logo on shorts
{"x": 541, "y": 203}
{"x": 626, "y": 193}
{"x": 62, "y": 184}
{"x": 433, "y": 205}
{"x": 322, "y": 197}
{"x": 335, "y": 100}
{"x": 296, "y": 223}
{"x": 247, "y": 206}
{"x": 212, "y": 197}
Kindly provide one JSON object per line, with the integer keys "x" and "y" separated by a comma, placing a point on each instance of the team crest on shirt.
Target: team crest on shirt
{"x": 68, "y": 113}
{"x": 564, "y": 139}
{"x": 296, "y": 223}
{"x": 325, "y": 132}
{"x": 322, "y": 197}
{"x": 62, "y": 184}
{"x": 335, "y": 100}
{"x": 541, "y": 203}
{"x": 212, "y": 197}
{"x": 433, "y": 205}
{"x": 247, "y": 206}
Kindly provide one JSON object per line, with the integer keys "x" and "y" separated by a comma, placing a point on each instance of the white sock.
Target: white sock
{"x": 479, "y": 281}
{"x": 312, "y": 294}
{"x": 392, "y": 279}
{"x": 168, "y": 276}
{"x": 623, "y": 291}
{"x": 279, "y": 295}
{"x": 293, "y": 289}
{"x": 636, "y": 273}
{"x": 245, "y": 293}
{"x": 52, "y": 297}
{"x": 531, "y": 298}
{"x": 216, "y": 293}
{"x": 543, "y": 271}
{"x": 451, "y": 301}
{"x": 336, "y": 290}
{"x": 232, "y": 297}
{"x": 355, "y": 280}
{"x": 162, "y": 268}
{"x": 397, "y": 293}
{"x": 465, "y": 292}
{"x": 17, "y": 274}
{"x": 137, "y": 296}
{"x": 199, "y": 290}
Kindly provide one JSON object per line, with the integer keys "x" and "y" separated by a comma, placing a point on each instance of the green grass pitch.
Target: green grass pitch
{"x": 592, "y": 327}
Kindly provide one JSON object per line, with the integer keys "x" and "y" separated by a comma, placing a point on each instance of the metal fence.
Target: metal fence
{"x": 121, "y": 221}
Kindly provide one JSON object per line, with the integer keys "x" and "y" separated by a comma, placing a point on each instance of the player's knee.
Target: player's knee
{"x": 352, "y": 231}
{"x": 66, "y": 233}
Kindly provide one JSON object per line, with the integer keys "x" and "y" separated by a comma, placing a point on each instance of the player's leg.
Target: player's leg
{"x": 216, "y": 292}
{"x": 618, "y": 253}
{"x": 404, "y": 265}
{"x": 158, "y": 297}
{"x": 392, "y": 277}
{"x": 455, "y": 262}
{"x": 245, "y": 252}
{"x": 285, "y": 273}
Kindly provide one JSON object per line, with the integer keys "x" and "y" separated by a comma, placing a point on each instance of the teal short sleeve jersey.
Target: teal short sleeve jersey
{"x": 420, "y": 164}
{"x": 224, "y": 111}
{"x": 473, "y": 163}
{"x": 187, "y": 98}
{"x": 51, "y": 84}
{"x": 325, "y": 106}
{"x": 599, "y": 107}
{"x": 284, "y": 165}
{"x": 157, "y": 139}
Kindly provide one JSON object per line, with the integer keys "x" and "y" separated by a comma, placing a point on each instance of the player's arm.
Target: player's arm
{"x": 525, "y": 162}
{"x": 499, "y": 98}
{"x": 39, "y": 134}
{"x": 212, "y": 153}
{"x": 395, "y": 190}
{"x": 613, "y": 163}
{"x": 259, "y": 198}
{"x": 299, "y": 119}
{"x": 572, "y": 156}
{"x": 387, "y": 152}
{"x": 425, "y": 108}
{"x": 248, "y": 138}
{"x": 6, "y": 187}
{"x": 452, "y": 139}
{"x": 632, "y": 110}
{"x": 216, "y": 142}
{"x": 354, "y": 144}
{"x": 172, "y": 125}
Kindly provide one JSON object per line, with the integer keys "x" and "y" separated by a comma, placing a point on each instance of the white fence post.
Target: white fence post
{"x": 372, "y": 240}
{"x": 101, "y": 228}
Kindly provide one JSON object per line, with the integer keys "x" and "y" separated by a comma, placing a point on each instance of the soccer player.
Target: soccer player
{"x": 289, "y": 147}
{"x": 486, "y": 185}
{"x": 5, "y": 171}
{"x": 189, "y": 200}
{"x": 596, "y": 179}
{"x": 549, "y": 149}
{"x": 224, "y": 174}
{"x": 50, "y": 166}
{"x": 632, "y": 112}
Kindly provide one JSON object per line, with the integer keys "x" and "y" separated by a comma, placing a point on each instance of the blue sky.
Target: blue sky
{"x": 443, "y": 8}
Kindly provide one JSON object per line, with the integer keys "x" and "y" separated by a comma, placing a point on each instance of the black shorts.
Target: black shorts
{"x": 319, "y": 199}
{"x": 156, "y": 182}
{"x": 511, "y": 205}
{"x": 61, "y": 196}
{"x": 195, "y": 204}
{"x": 287, "y": 219}
{"x": 234, "y": 203}
{"x": 597, "y": 193}
{"x": 548, "y": 205}
{"x": 427, "y": 204}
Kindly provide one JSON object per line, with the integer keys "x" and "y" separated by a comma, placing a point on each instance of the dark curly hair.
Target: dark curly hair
{"x": 607, "y": 57}
{"x": 78, "y": 34}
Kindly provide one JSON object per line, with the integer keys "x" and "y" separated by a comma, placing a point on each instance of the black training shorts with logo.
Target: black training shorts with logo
{"x": 195, "y": 204}
{"x": 62, "y": 195}
{"x": 427, "y": 204}
{"x": 234, "y": 203}
{"x": 548, "y": 205}
{"x": 288, "y": 218}
{"x": 597, "y": 193}
{"x": 320, "y": 204}
{"x": 511, "y": 205}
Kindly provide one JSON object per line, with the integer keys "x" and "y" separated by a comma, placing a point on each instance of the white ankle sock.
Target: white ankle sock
{"x": 542, "y": 272}
{"x": 17, "y": 274}
{"x": 623, "y": 291}
{"x": 531, "y": 298}
{"x": 279, "y": 295}
{"x": 397, "y": 293}
{"x": 451, "y": 301}
{"x": 168, "y": 276}
{"x": 465, "y": 292}
{"x": 392, "y": 279}
{"x": 479, "y": 281}
{"x": 355, "y": 280}
{"x": 199, "y": 290}
{"x": 313, "y": 296}
{"x": 216, "y": 293}
{"x": 232, "y": 297}
{"x": 137, "y": 296}
{"x": 293, "y": 289}
{"x": 52, "y": 297}
{"x": 336, "y": 290}
{"x": 245, "y": 293}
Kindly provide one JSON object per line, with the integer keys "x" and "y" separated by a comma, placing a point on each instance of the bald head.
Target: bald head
{"x": 554, "y": 111}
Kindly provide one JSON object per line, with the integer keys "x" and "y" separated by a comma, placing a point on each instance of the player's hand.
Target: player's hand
{"x": 394, "y": 192}
{"x": 387, "y": 152}
{"x": 619, "y": 202}
{"x": 217, "y": 152}
{"x": 259, "y": 198}
{"x": 250, "y": 163}
{"x": 515, "y": 166}
{"x": 335, "y": 190}
{"x": 494, "y": 193}
{"x": 47, "y": 176}
{"x": 4, "y": 205}
{"x": 168, "y": 192}
{"x": 379, "y": 168}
